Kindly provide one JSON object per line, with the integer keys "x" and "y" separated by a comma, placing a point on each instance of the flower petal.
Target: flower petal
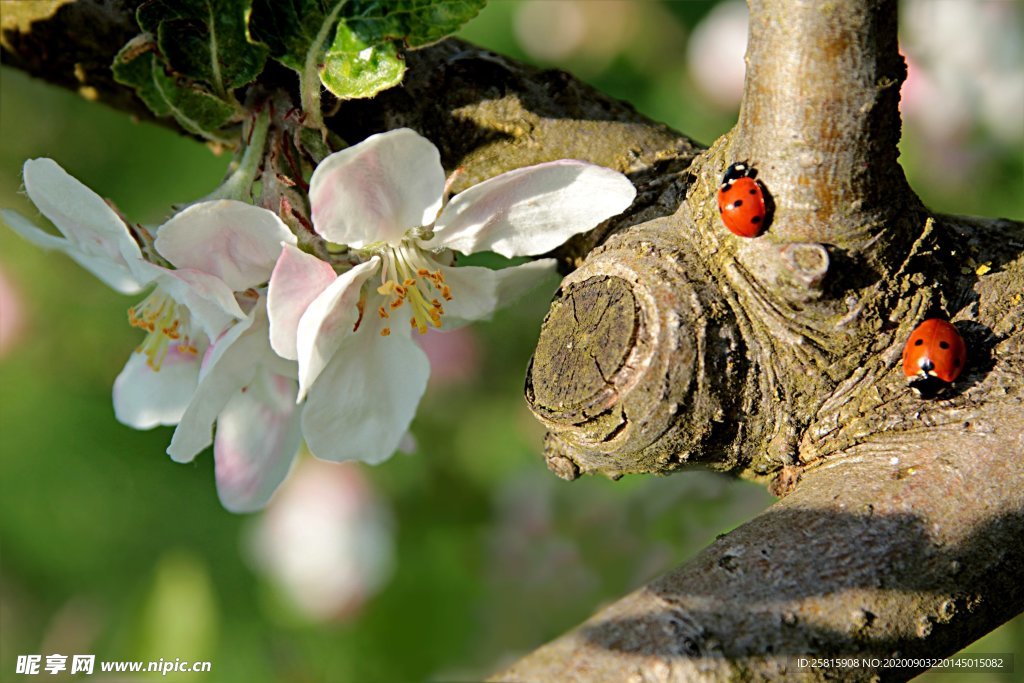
{"x": 207, "y": 298}
{"x": 378, "y": 189}
{"x": 532, "y": 210}
{"x": 235, "y": 241}
{"x": 145, "y": 398}
{"x": 328, "y": 321}
{"x": 365, "y": 399}
{"x": 258, "y": 434}
{"x": 478, "y": 292}
{"x": 298, "y": 278}
{"x": 112, "y": 272}
{"x": 79, "y": 213}
{"x": 230, "y": 365}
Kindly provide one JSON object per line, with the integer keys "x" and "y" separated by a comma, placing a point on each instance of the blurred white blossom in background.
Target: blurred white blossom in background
{"x": 12, "y": 316}
{"x": 326, "y": 540}
{"x": 715, "y": 54}
{"x": 590, "y": 33}
{"x": 965, "y": 63}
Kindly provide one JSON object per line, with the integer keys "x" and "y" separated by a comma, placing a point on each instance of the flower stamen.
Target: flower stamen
{"x": 166, "y": 323}
{"x": 406, "y": 278}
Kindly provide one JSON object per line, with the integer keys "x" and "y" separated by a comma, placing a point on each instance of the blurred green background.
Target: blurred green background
{"x": 109, "y": 548}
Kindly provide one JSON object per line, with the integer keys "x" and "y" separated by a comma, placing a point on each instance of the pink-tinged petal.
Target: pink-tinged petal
{"x": 532, "y": 210}
{"x": 478, "y": 292}
{"x": 209, "y": 301}
{"x": 326, "y": 540}
{"x": 365, "y": 399}
{"x": 145, "y": 398}
{"x": 328, "y": 321}
{"x": 378, "y": 189}
{"x": 257, "y": 437}
{"x": 297, "y": 280}
{"x": 229, "y": 365}
{"x": 79, "y": 213}
{"x": 235, "y": 241}
{"x": 113, "y": 272}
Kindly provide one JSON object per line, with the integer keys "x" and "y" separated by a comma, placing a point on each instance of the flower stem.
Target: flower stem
{"x": 239, "y": 184}
{"x": 309, "y": 85}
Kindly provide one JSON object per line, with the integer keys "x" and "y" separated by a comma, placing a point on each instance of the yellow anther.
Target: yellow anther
{"x": 167, "y": 325}
{"x": 410, "y": 279}
{"x": 385, "y": 332}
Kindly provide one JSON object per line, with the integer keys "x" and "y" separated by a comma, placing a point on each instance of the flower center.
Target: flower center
{"x": 410, "y": 276}
{"x": 167, "y": 323}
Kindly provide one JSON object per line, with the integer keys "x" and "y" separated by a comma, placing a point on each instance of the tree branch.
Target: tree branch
{"x": 866, "y": 558}
{"x": 820, "y": 119}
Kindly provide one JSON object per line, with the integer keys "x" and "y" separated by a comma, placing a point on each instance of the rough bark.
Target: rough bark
{"x": 866, "y": 558}
{"x": 674, "y": 343}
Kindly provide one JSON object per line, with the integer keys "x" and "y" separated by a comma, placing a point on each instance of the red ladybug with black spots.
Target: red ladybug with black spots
{"x": 741, "y": 201}
{"x": 934, "y": 351}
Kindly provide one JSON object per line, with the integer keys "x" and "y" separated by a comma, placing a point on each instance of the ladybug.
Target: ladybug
{"x": 934, "y": 350}
{"x": 741, "y": 201}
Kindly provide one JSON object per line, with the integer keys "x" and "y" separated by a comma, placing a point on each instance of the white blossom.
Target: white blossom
{"x": 360, "y": 373}
{"x": 206, "y": 357}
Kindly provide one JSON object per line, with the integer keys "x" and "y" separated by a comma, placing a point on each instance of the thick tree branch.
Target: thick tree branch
{"x": 738, "y": 345}
{"x": 866, "y": 558}
{"x": 686, "y": 345}
{"x": 820, "y": 119}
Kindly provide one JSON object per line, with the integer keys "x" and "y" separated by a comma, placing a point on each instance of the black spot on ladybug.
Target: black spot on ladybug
{"x": 721, "y": 209}
{"x": 956, "y": 362}
{"x": 737, "y": 204}
{"x": 755, "y": 220}
{"x": 753, "y": 192}
{"x": 943, "y": 344}
{"x": 919, "y": 342}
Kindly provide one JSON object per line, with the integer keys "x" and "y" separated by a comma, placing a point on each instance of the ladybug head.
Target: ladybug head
{"x": 736, "y": 171}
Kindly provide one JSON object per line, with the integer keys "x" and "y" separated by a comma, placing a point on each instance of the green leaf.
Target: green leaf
{"x": 206, "y": 40}
{"x": 197, "y": 111}
{"x": 352, "y": 68}
{"x": 289, "y": 28}
{"x": 415, "y": 22}
{"x": 353, "y": 46}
